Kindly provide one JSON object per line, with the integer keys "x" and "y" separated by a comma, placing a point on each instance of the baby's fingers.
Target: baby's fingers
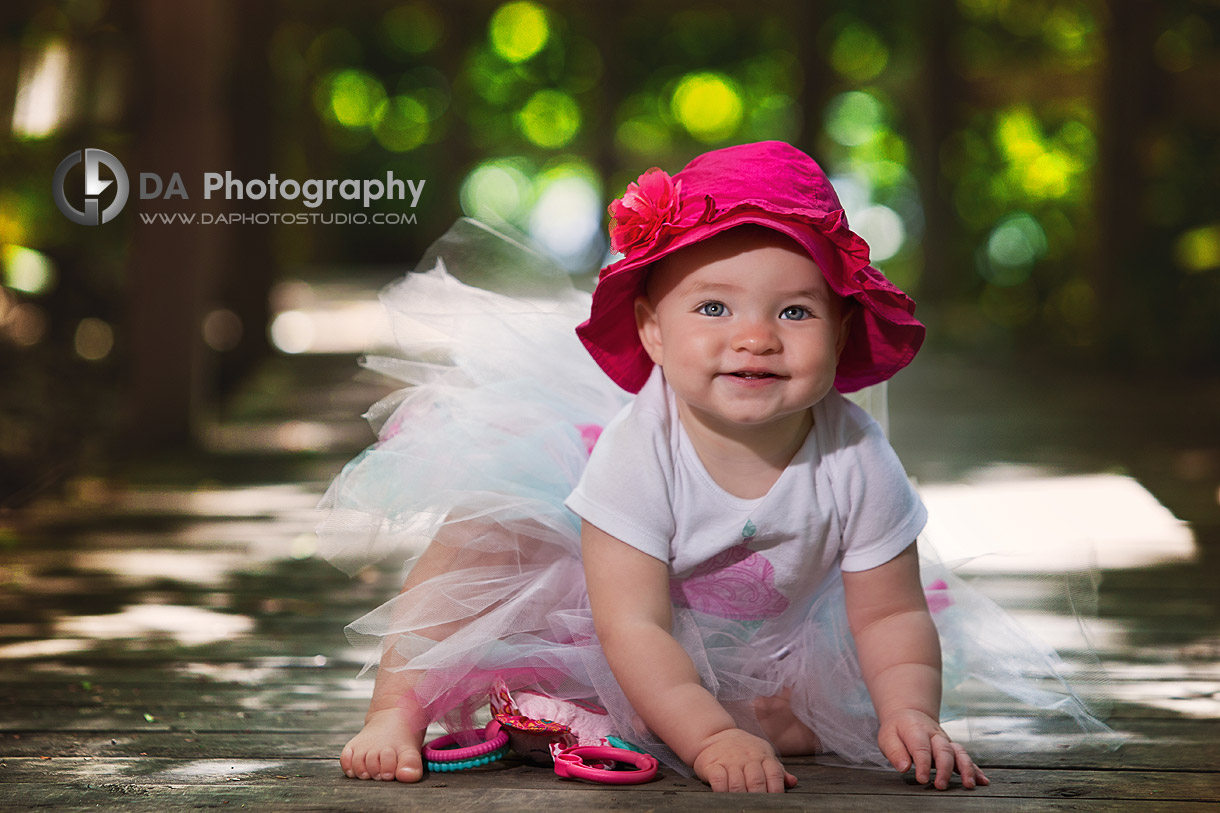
{"x": 718, "y": 778}
{"x": 965, "y": 766}
{"x": 777, "y": 777}
{"x": 737, "y": 782}
{"x": 921, "y": 753}
{"x": 894, "y": 750}
{"x": 972, "y": 775}
{"x": 755, "y": 777}
{"x": 945, "y": 760}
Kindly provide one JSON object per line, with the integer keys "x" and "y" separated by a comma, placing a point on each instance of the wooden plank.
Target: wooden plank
{"x": 56, "y": 704}
{"x": 182, "y": 692}
{"x": 1154, "y": 745}
{"x": 812, "y": 779}
{"x": 303, "y": 795}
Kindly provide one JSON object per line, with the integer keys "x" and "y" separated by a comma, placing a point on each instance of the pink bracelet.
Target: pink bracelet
{"x": 568, "y": 764}
{"x": 441, "y": 750}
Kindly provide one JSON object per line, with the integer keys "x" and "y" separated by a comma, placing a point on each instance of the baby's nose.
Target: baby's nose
{"x": 755, "y": 336}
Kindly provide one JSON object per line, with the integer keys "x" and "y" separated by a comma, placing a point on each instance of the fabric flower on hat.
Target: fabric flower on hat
{"x": 769, "y": 184}
{"x": 648, "y": 204}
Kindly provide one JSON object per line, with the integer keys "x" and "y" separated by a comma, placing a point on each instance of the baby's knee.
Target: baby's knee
{"x": 783, "y": 728}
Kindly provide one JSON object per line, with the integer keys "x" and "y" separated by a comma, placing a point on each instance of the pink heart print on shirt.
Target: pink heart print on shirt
{"x": 738, "y": 583}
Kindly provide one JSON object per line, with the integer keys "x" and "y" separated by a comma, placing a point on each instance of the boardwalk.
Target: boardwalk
{"x": 169, "y": 641}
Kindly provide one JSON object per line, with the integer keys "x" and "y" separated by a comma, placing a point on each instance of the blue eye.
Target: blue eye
{"x": 712, "y": 309}
{"x": 795, "y": 312}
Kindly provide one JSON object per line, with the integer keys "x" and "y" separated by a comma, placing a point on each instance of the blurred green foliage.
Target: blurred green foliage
{"x": 987, "y": 166}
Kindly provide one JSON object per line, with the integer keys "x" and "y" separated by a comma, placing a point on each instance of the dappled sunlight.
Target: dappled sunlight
{"x": 243, "y": 501}
{"x": 334, "y": 327}
{"x": 266, "y": 702}
{"x": 1191, "y": 690}
{"x": 284, "y": 436}
{"x": 209, "y": 568}
{"x": 49, "y": 648}
{"x": 227, "y": 672}
{"x": 996, "y": 736}
{"x": 229, "y": 769}
{"x": 188, "y": 626}
{"x": 1067, "y": 633}
{"x": 1015, "y": 522}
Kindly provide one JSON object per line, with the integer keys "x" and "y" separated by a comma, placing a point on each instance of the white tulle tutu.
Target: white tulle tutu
{"x": 473, "y": 461}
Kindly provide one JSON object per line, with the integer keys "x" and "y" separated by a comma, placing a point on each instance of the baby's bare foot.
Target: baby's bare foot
{"x": 386, "y": 749}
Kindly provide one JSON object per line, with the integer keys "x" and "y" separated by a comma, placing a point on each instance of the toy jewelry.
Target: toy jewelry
{"x": 569, "y": 763}
{"x": 443, "y": 755}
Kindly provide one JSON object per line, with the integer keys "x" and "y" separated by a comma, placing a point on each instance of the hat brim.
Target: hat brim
{"x": 883, "y": 335}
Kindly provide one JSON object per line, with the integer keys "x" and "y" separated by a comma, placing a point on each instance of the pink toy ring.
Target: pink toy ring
{"x": 441, "y": 750}
{"x": 568, "y": 764}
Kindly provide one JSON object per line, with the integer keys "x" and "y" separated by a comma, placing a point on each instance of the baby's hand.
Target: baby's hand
{"x": 735, "y": 761}
{"x": 909, "y": 735}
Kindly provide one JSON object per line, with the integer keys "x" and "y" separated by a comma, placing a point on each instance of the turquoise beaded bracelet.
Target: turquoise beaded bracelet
{"x": 619, "y": 742}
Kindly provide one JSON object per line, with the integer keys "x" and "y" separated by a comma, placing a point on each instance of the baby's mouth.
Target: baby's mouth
{"x": 752, "y": 375}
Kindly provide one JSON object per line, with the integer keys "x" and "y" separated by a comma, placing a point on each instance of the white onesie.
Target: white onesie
{"x": 844, "y": 501}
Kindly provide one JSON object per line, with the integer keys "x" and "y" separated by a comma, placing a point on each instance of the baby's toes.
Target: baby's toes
{"x": 410, "y": 766}
{"x": 384, "y": 769}
{"x": 360, "y": 764}
{"x": 345, "y": 760}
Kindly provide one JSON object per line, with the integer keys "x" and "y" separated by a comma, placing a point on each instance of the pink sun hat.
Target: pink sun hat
{"x": 771, "y": 184}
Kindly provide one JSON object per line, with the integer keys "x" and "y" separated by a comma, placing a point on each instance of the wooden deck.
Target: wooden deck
{"x": 168, "y": 641}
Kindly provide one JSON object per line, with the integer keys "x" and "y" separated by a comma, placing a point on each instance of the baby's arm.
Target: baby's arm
{"x": 629, "y": 595}
{"x": 900, "y": 656}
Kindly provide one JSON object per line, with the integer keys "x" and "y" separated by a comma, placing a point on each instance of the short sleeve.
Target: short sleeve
{"x": 626, "y": 487}
{"x": 883, "y": 513}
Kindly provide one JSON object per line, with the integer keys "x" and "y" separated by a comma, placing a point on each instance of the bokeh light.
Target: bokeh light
{"x": 854, "y": 118}
{"x": 222, "y": 329}
{"x": 857, "y": 52}
{"x": 708, "y": 105}
{"x": 498, "y": 191}
{"x": 1039, "y": 167}
{"x": 1072, "y": 32}
{"x": 94, "y": 339}
{"x": 401, "y": 123}
{"x": 882, "y": 229}
{"x": 45, "y": 80}
{"x": 519, "y": 30}
{"x": 430, "y": 88}
{"x": 549, "y": 119}
{"x": 777, "y": 117}
{"x": 1015, "y": 243}
{"x": 354, "y": 97}
{"x": 566, "y": 220}
{"x": 16, "y": 216}
{"x": 643, "y": 135}
{"x": 26, "y": 324}
{"x": 27, "y": 270}
{"x": 1199, "y": 249}
{"x": 292, "y": 332}
{"x": 1072, "y": 308}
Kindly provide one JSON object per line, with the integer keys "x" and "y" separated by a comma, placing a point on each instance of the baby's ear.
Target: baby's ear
{"x": 650, "y": 330}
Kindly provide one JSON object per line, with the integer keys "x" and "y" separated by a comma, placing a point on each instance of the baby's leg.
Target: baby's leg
{"x": 388, "y": 747}
{"x": 789, "y": 735}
